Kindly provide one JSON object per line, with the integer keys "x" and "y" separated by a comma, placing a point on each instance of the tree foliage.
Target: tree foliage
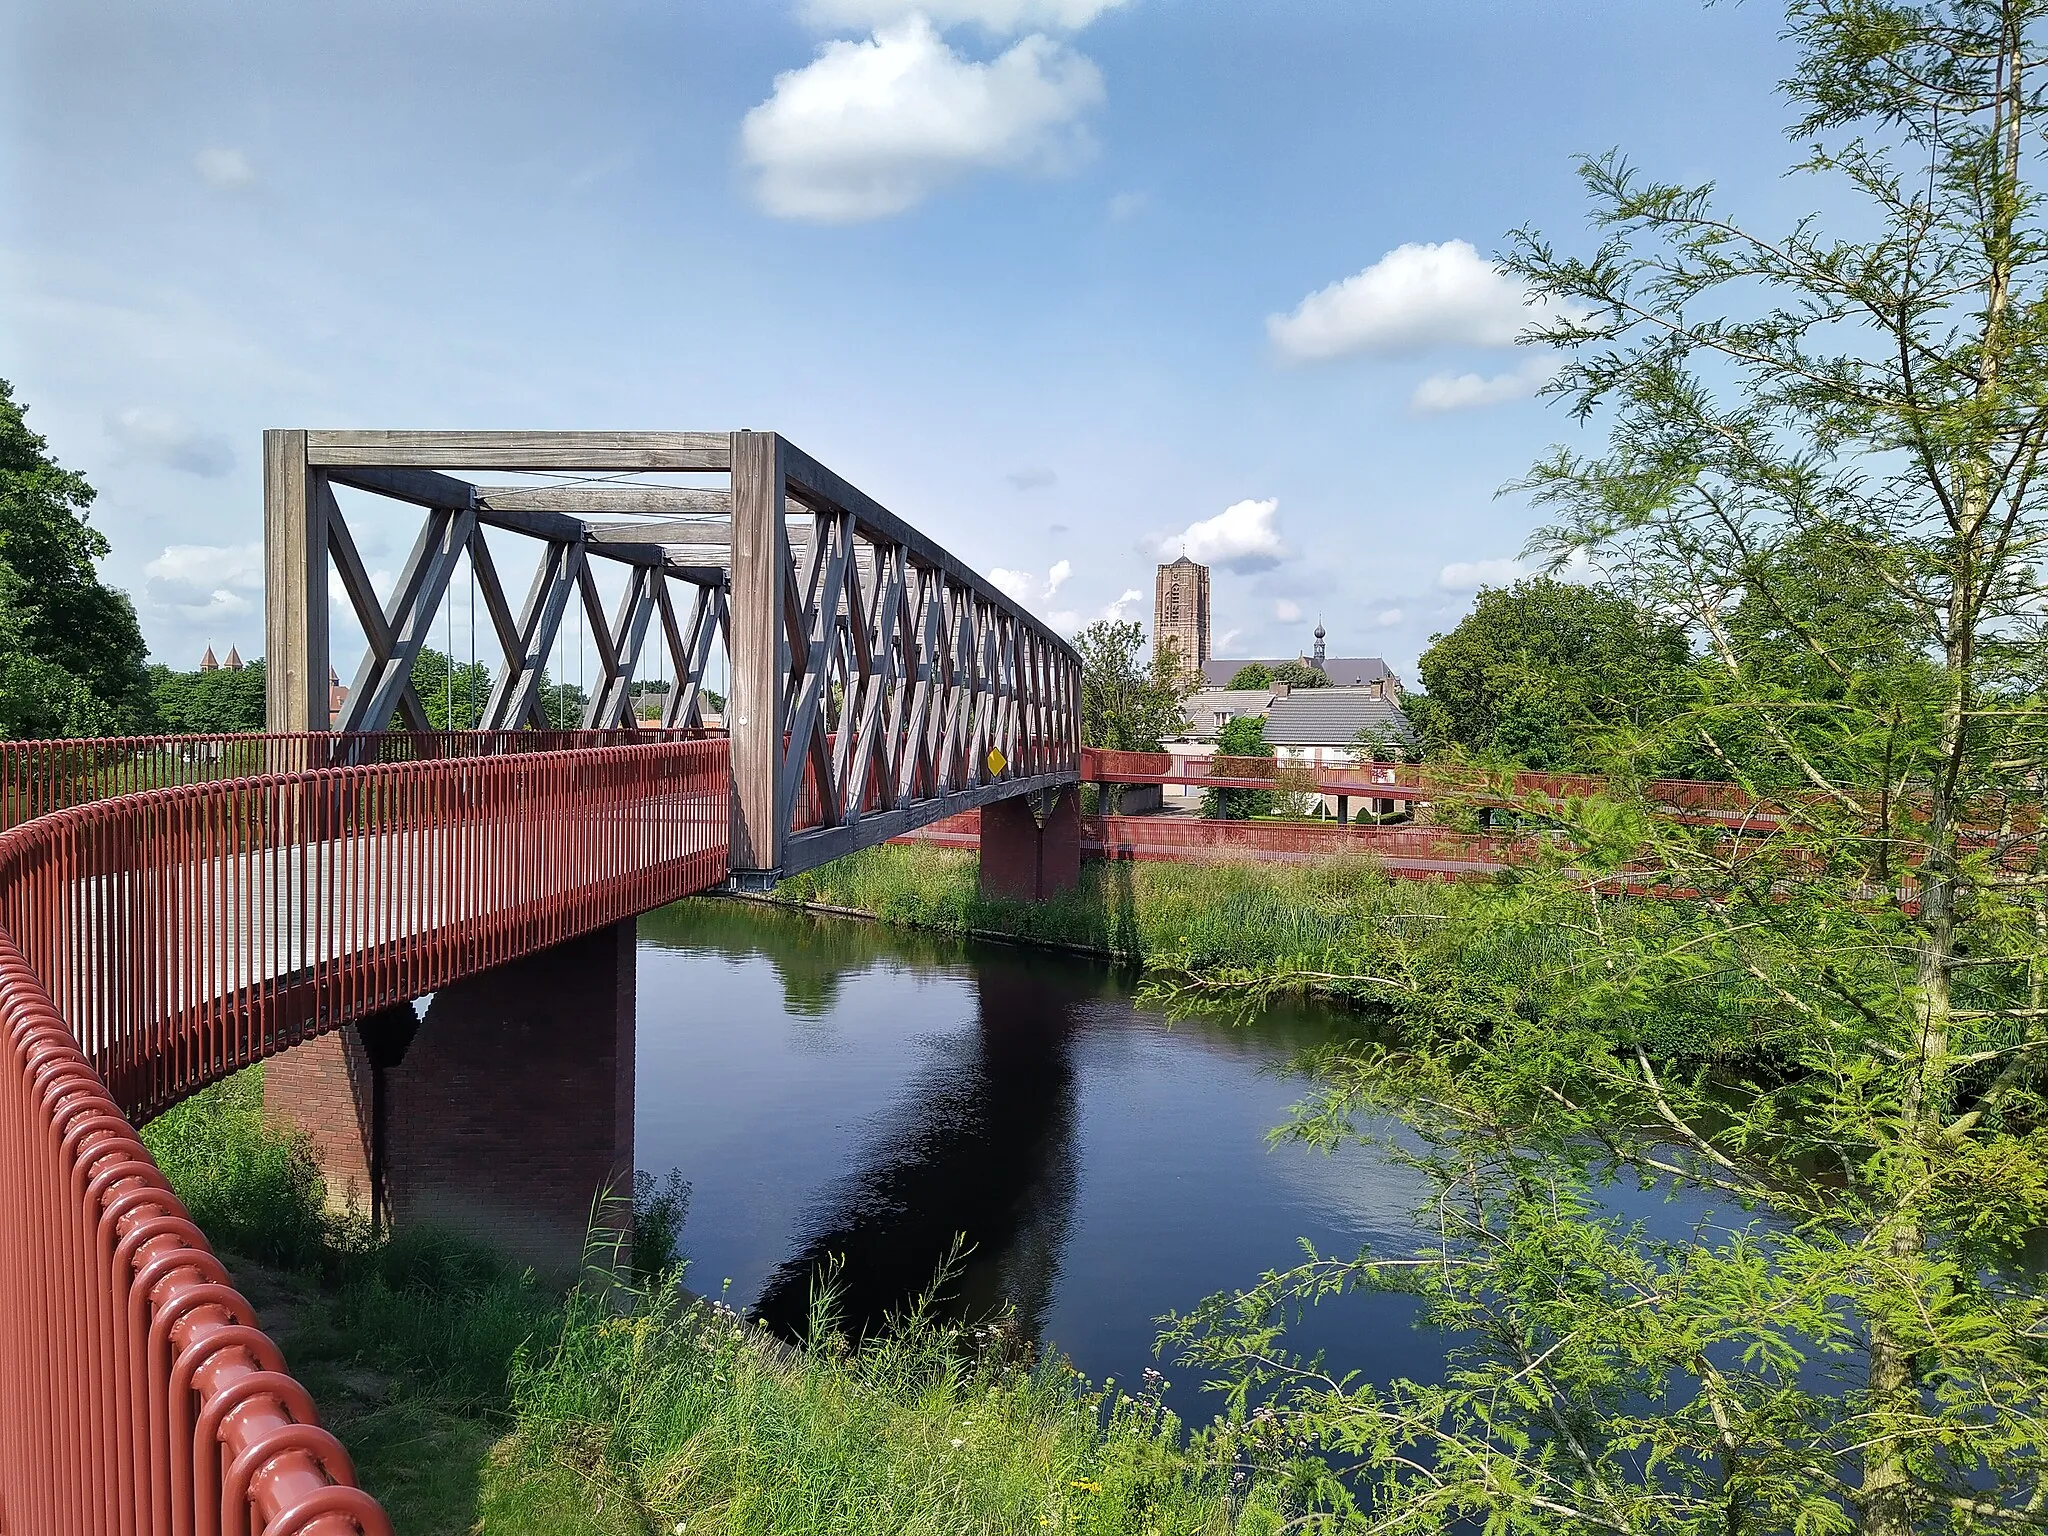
{"x": 1127, "y": 703}
{"x": 1242, "y": 736}
{"x": 1296, "y": 673}
{"x": 206, "y": 703}
{"x": 1823, "y": 458}
{"x": 1537, "y": 671}
{"x": 71, "y": 651}
{"x": 1253, "y": 674}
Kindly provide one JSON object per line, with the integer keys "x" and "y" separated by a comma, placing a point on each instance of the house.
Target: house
{"x": 1321, "y": 726}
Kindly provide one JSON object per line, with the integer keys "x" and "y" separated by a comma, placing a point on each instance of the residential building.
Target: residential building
{"x": 1180, "y": 612}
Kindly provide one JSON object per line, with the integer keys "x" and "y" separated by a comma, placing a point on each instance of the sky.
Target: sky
{"x": 1072, "y": 285}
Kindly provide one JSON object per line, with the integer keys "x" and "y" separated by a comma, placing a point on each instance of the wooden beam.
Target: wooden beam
{"x": 607, "y": 500}
{"x": 701, "y": 530}
{"x": 294, "y": 587}
{"x": 421, "y": 487}
{"x": 812, "y": 482}
{"x": 707, "y": 452}
{"x": 754, "y": 712}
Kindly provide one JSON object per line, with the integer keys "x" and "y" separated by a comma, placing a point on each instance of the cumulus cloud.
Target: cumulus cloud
{"x": 1033, "y": 477}
{"x": 224, "y": 169}
{"x": 994, "y": 15}
{"x": 208, "y": 565}
{"x": 1468, "y": 391}
{"x": 1016, "y": 585}
{"x": 869, "y": 129}
{"x": 202, "y": 582}
{"x": 166, "y": 438}
{"x": 1413, "y": 298}
{"x": 1287, "y": 610}
{"x": 1242, "y": 538}
{"x": 1120, "y": 610}
{"x": 1471, "y": 575}
{"x": 1388, "y": 617}
{"x": 1021, "y": 586}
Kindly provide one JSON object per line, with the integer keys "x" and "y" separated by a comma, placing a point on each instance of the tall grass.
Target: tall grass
{"x": 1340, "y": 928}
{"x": 678, "y": 1412}
{"x": 496, "y": 1405}
{"x": 1209, "y": 913}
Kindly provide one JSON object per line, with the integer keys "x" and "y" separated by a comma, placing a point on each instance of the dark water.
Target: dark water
{"x": 832, "y": 1088}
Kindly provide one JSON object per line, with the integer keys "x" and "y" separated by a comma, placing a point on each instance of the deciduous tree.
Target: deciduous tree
{"x": 1823, "y": 455}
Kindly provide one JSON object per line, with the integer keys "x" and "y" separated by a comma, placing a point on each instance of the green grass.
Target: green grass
{"x": 475, "y": 1400}
{"x": 1237, "y": 912}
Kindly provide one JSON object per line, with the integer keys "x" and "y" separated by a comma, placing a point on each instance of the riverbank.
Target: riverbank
{"x": 475, "y": 1400}
{"x": 1233, "y": 935}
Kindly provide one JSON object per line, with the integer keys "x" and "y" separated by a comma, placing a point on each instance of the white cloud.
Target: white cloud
{"x": 1016, "y": 585}
{"x": 166, "y": 438}
{"x": 203, "y": 567}
{"x": 1389, "y": 617}
{"x": 1019, "y": 585}
{"x": 1412, "y": 298}
{"x": 995, "y": 15}
{"x": 1467, "y": 391}
{"x": 226, "y": 169}
{"x": 1471, "y": 575}
{"x": 1065, "y": 620}
{"x": 1287, "y": 610}
{"x": 1242, "y": 538}
{"x": 1120, "y": 609}
{"x": 204, "y": 583}
{"x": 869, "y": 129}
{"x": 1227, "y": 639}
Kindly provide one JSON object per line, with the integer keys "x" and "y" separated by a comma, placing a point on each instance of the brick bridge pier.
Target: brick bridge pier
{"x": 875, "y": 684}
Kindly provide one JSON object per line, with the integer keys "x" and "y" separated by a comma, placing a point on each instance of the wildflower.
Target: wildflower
{"x": 958, "y": 1443}
{"x": 1086, "y": 1485}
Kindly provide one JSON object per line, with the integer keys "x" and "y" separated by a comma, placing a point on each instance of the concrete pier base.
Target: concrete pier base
{"x": 500, "y": 1114}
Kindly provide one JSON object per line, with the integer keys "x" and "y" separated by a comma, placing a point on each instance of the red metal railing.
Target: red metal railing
{"x": 1683, "y": 799}
{"x": 153, "y": 942}
{"x": 37, "y": 777}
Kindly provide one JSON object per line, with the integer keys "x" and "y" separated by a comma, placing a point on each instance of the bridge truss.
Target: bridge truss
{"x": 876, "y": 683}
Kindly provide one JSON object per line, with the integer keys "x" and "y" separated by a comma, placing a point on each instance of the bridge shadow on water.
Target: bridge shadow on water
{"x": 982, "y": 1151}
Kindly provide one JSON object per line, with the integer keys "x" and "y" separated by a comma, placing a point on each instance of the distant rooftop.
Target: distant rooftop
{"x": 1333, "y": 717}
{"x": 1342, "y": 671}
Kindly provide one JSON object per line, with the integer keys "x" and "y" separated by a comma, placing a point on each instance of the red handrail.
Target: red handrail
{"x": 153, "y": 940}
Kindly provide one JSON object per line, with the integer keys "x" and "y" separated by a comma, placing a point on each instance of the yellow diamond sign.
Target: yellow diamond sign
{"x": 996, "y": 762}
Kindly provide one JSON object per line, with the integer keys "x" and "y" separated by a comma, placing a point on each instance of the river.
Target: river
{"x": 831, "y": 1087}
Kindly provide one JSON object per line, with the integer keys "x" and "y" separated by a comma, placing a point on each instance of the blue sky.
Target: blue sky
{"x": 1038, "y": 274}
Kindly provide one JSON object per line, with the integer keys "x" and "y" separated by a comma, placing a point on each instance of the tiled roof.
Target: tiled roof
{"x": 1332, "y": 717}
{"x": 1342, "y": 671}
{"x": 1205, "y": 704}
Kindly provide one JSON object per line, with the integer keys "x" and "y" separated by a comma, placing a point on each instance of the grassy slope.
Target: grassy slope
{"x": 474, "y": 1400}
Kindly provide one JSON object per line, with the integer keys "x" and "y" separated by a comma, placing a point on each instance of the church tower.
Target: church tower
{"x": 1180, "y": 612}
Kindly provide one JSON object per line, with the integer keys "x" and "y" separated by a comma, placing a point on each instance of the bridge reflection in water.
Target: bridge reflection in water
{"x": 982, "y": 1150}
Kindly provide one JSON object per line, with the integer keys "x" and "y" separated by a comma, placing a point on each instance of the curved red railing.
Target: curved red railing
{"x": 156, "y": 939}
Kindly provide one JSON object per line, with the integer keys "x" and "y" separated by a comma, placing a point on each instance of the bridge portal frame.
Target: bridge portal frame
{"x": 877, "y": 683}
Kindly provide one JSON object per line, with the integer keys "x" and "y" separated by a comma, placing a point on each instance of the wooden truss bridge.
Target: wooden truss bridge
{"x": 175, "y": 909}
